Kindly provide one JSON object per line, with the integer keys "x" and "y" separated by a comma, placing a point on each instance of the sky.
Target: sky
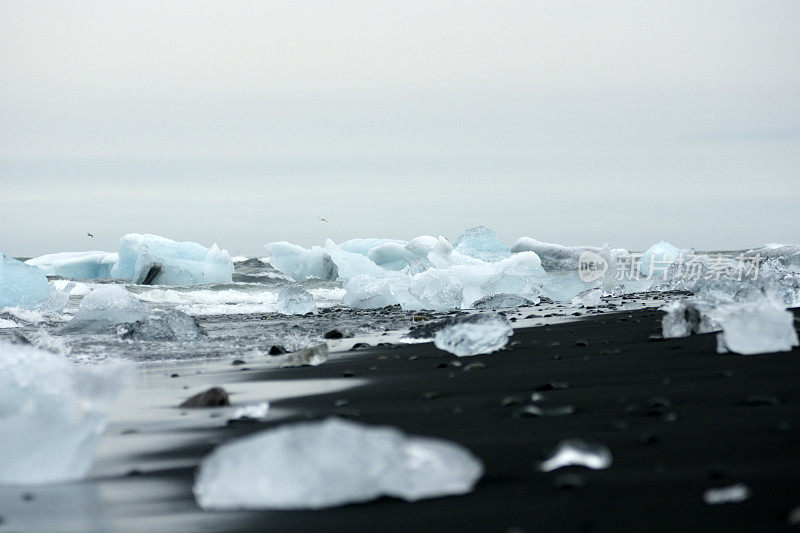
{"x": 241, "y": 123}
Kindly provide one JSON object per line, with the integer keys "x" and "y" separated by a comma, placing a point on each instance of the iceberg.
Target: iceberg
{"x": 436, "y": 289}
{"x": 482, "y": 243}
{"x": 367, "y": 292}
{"x": 481, "y": 335}
{"x": 22, "y": 285}
{"x": 761, "y": 326}
{"x": 301, "y": 263}
{"x": 316, "y": 465}
{"x": 658, "y": 257}
{"x": 554, "y": 256}
{"x": 77, "y": 265}
{"x": 153, "y": 260}
{"x": 364, "y": 246}
{"x": 52, "y": 413}
{"x": 295, "y": 300}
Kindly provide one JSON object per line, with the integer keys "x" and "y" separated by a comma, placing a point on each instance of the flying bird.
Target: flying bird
{"x": 90, "y": 235}
{"x": 321, "y": 219}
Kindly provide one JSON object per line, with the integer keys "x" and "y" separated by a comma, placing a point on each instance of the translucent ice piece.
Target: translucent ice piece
{"x": 577, "y": 452}
{"x": 483, "y": 335}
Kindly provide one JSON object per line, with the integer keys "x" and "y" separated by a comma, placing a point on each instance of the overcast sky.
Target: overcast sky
{"x": 693, "y": 104}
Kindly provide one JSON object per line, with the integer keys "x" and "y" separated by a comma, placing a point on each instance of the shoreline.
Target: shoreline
{"x": 678, "y": 418}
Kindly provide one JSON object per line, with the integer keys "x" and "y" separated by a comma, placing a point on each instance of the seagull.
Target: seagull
{"x": 321, "y": 219}
{"x": 89, "y": 235}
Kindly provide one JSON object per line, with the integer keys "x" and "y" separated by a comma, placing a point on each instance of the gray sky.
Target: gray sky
{"x": 650, "y": 119}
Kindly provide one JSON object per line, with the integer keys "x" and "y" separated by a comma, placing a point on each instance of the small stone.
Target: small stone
{"x": 277, "y": 349}
{"x": 340, "y": 402}
{"x": 333, "y": 334}
{"x": 213, "y": 397}
{"x": 544, "y": 412}
{"x": 581, "y": 343}
{"x": 237, "y": 362}
{"x": 552, "y": 385}
{"x": 441, "y": 365}
{"x": 348, "y": 374}
{"x": 174, "y": 375}
{"x": 360, "y": 346}
{"x": 761, "y": 399}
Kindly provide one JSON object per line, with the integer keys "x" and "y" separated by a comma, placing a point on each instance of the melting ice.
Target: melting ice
{"x": 316, "y": 465}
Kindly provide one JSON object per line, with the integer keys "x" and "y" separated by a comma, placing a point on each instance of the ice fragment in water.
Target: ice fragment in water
{"x": 479, "y": 336}
{"x": 577, "y": 452}
{"x": 301, "y": 263}
{"x": 52, "y": 413}
{"x": 164, "y": 324}
{"x": 731, "y": 494}
{"x": 554, "y": 256}
{"x": 105, "y": 306}
{"x": 77, "y": 265}
{"x": 482, "y": 243}
{"x": 295, "y": 300}
{"x": 366, "y": 292}
{"x": 154, "y": 260}
{"x": 22, "y": 285}
{"x": 762, "y": 326}
{"x": 316, "y": 465}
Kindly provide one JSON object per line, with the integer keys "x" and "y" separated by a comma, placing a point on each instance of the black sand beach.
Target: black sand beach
{"x": 678, "y": 417}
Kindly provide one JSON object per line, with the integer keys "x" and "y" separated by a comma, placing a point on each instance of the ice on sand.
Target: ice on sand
{"x": 686, "y": 317}
{"x": 295, "y": 300}
{"x": 76, "y": 265}
{"x": 22, "y": 285}
{"x": 483, "y": 335}
{"x": 731, "y": 494}
{"x": 316, "y": 465}
{"x": 760, "y": 326}
{"x": 154, "y": 260}
{"x": 577, "y": 452}
{"x": 52, "y": 413}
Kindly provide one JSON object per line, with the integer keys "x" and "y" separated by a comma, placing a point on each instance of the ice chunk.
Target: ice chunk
{"x": 657, "y": 259}
{"x": 295, "y": 300}
{"x": 313, "y": 356}
{"x": 395, "y": 256}
{"x": 554, "y": 256}
{"x": 255, "y": 411}
{"x": 153, "y": 260}
{"x": 438, "y": 290}
{"x": 110, "y": 303}
{"x": 731, "y": 494}
{"x": 165, "y": 325}
{"x": 482, "y": 243}
{"x": 52, "y": 413}
{"x": 301, "y": 263}
{"x": 22, "y": 285}
{"x": 761, "y": 326}
{"x": 503, "y": 301}
{"x": 315, "y": 465}
{"x": 588, "y": 298}
{"x": 367, "y": 292}
{"x": 77, "y": 265}
{"x": 479, "y": 336}
{"x": 686, "y": 317}
{"x": 577, "y": 452}
{"x": 364, "y": 246}
{"x": 350, "y": 264}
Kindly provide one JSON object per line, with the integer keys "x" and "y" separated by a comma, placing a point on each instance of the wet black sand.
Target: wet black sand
{"x": 678, "y": 417}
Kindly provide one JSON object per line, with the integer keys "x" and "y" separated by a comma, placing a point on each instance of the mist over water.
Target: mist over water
{"x": 722, "y": 194}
